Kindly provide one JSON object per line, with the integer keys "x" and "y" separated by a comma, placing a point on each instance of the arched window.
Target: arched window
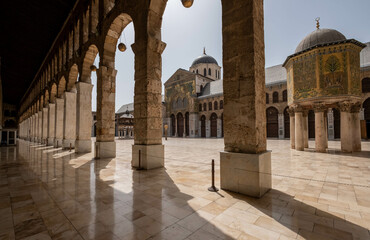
{"x": 201, "y": 88}
{"x": 275, "y": 97}
{"x": 209, "y": 72}
{"x": 200, "y": 107}
{"x": 267, "y": 98}
{"x": 205, "y": 72}
{"x": 197, "y": 71}
{"x": 285, "y": 96}
{"x": 216, "y": 105}
{"x": 204, "y": 107}
{"x": 221, "y": 104}
{"x": 216, "y": 74}
{"x": 366, "y": 85}
{"x": 209, "y": 106}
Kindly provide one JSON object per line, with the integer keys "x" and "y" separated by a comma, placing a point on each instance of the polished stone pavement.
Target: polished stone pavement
{"x": 48, "y": 193}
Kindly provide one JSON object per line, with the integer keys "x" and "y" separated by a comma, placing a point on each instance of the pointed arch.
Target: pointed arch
{"x": 72, "y": 77}
{"x": 112, "y": 36}
{"x": 53, "y": 93}
{"x": 89, "y": 59}
{"x": 61, "y": 87}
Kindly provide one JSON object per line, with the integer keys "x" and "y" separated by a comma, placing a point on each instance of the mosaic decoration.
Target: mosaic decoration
{"x": 324, "y": 73}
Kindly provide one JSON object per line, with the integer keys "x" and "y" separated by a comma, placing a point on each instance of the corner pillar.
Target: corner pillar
{"x": 356, "y": 127}
{"x": 346, "y": 127}
{"x": 84, "y": 117}
{"x": 321, "y": 140}
{"x": 69, "y": 124}
{"x": 45, "y": 123}
{"x": 59, "y": 119}
{"x": 148, "y": 150}
{"x": 299, "y": 129}
{"x": 105, "y": 146}
{"x": 292, "y": 128}
{"x": 245, "y": 164}
{"x": 51, "y": 130}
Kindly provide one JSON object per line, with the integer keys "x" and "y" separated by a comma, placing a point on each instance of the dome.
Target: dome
{"x": 204, "y": 59}
{"x": 319, "y": 37}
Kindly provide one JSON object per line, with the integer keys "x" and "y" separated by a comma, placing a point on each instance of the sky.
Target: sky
{"x": 187, "y": 30}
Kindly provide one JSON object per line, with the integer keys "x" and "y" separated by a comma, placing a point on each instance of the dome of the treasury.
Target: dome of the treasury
{"x": 320, "y": 37}
{"x": 204, "y": 59}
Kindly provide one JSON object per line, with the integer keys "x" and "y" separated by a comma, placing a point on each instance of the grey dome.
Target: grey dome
{"x": 319, "y": 37}
{"x": 204, "y": 59}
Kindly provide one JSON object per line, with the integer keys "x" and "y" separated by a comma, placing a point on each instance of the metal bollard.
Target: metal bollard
{"x": 213, "y": 187}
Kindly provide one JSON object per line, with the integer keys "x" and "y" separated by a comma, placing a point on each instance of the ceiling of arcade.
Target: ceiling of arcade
{"x": 52, "y": 44}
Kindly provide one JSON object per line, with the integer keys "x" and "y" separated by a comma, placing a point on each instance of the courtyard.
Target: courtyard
{"x": 50, "y": 193}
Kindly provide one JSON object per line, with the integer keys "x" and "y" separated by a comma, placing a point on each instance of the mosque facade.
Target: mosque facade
{"x": 194, "y": 98}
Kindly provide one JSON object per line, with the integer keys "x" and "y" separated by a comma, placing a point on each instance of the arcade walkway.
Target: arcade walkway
{"x": 49, "y": 193}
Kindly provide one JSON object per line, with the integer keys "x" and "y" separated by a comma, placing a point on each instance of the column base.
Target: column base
{"x": 248, "y": 174}
{"x": 151, "y": 156}
{"x": 105, "y": 150}
{"x": 83, "y": 146}
{"x": 58, "y": 142}
{"x": 50, "y": 141}
{"x": 68, "y": 143}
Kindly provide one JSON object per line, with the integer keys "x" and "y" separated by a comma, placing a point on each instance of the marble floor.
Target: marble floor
{"x": 48, "y": 193}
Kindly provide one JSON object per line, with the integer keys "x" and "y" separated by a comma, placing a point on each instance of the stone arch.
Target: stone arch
{"x": 336, "y": 116}
{"x": 88, "y": 61}
{"x": 311, "y": 124}
{"x": 46, "y": 97}
{"x": 286, "y": 123}
{"x": 272, "y": 125}
{"x": 365, "y": 85}
{"x": 111, "y": 38}
{"x": 180, "y": 124}
{"x": 72, "y": 77}
{"x": 61, "y": 87}
{"x": 53, "y": 93}
{"x": 366, "y": 106}
{"x": 203, "y": 126}
{"x": 213, "y": 120}
{"x": 275, "y": 97}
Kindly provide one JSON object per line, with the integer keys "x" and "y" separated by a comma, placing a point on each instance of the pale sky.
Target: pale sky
{"x": 187, "y": 31}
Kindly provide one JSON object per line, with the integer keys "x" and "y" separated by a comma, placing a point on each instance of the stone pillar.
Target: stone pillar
{"x": 299, "y": 129}
{"x": 147, "y": 100}
{"x": 59, "y": 119}
{"x": 320, "y": 128}
{"x": 330, "y": 116}
{"x": 326, "y": 129}
{"x": 34, "y": 127}
{"x": 245, "y": 165}
{"x": 356, "y": 127}
{"x": 292, "y": 128}
{"x": 105, "y": 146}
{"x": 39, "y": 128}
{"x": 45, "y": 123}
{"x": 346, "y": 127}
{"x": 84, "y": 117}
{"x": 219, "y": 130}
{"x": 281, "y": 125}
{"x": 69, "y": 123}
{"x": 305, "y": 128}
{"x": 208, "y": 128}
{"x": 193, "y": 124}
{"x": 51, "y": 130}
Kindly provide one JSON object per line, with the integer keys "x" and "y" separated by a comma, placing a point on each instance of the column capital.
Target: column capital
{"x": 291, "y": 111}
{"x": 356, "y": 107}
{"x": 319, "y": 107}
{"x": 345, "y": 106}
